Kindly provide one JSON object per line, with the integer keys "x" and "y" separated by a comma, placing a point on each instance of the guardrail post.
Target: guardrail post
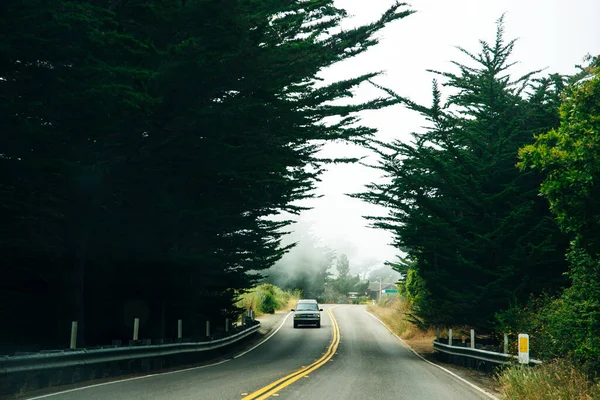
{"x": 450, "y": 337}
{"x": 505, "y": 343}
{"x": 179, "y": 329}
{"x": 437, "y": 334}
{"x": 226, "y": 324}
{"x": 207, "y": 328}
{"x": 472, "y": 338}
{"x": 136, "y": 328}
{"x": 73, "y": 343}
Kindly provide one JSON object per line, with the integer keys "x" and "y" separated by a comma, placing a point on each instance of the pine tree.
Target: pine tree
{"x": 343, "y": 266}
{"x": 480, "y": 236}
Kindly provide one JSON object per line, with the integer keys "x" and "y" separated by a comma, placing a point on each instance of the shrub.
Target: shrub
{"x": 566, "y": 326}
{"x": 267, "y": 298}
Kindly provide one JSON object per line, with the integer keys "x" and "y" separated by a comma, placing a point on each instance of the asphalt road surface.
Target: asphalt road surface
{"x": 352, "y": 356}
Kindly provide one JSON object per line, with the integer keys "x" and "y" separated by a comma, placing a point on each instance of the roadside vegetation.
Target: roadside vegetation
{"x": 395, "y": 312}
{"x": 267, "y": 299}
{"x": 554, "y": 380}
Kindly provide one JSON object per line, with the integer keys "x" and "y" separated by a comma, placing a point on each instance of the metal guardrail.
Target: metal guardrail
{"x": 478, "y": 354}
{"x": 74, "y": 358}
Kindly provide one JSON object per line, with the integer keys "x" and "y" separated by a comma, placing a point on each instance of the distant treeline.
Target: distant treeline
{"x": 144, "y": 144}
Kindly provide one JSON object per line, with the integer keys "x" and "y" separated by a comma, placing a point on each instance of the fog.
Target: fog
{"x": 407, "y": 48}
{"x": 310, "y": 264}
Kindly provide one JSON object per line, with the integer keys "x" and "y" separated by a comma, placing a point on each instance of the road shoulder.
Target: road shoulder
{"x": 423, "y": 347}
{"x": 269, "y": 324}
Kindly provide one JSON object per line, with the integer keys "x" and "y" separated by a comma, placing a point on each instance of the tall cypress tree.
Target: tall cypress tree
{"x": 481, "y": 236}
{"x": 148, "y": 142}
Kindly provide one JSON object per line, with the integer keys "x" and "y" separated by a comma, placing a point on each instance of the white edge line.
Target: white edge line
{"x": 161, "y": 373}
{"x": 485, "y": 392}
{"x": 267, "y": 338}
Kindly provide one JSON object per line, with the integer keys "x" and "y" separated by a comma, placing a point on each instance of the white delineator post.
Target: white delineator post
{"x": 472, "y": 338}
{"x": 73, "y": 343}
{"x": 226, "y": 324}
{"x": 207, "y": 328}
{"x": 450, "y": 337}
{"x": 523, "y": 348}
{"x": 179, "y": 329}
{"x": 505, "y": 343}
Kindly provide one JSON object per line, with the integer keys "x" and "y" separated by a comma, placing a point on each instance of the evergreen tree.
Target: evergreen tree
{"x": 480, "y": 235}
{"x": 342, "y": 265}
{"x": 148, "y": 143}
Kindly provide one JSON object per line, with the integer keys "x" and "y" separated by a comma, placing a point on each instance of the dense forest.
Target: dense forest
{"x": 495, "y": 202}
{"x": 144, "y": 146}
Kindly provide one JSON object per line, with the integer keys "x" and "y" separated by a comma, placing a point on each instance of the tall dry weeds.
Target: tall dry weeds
{"x": 557, "y": 380}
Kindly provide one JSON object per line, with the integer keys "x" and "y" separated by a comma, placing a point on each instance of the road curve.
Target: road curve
{"x": 369, "y": 362}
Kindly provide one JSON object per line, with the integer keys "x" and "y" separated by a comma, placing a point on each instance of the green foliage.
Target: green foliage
{"x": 361, "y": 300}
{"x": 563, "y": 326}
{"x": 345, "y": 283}
{"x": 475, "y": 230}
{"x": 268, "y": 302}
{"x": 572, "y": 321}
{"x": 568, "y": 156}
{"x": 413, "y": 289}
{"x": 148, "y": 143}
{"x": 267, "y": 298}
{"x": 529, "y": 317}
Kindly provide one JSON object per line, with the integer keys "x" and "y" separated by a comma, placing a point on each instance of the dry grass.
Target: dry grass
{"x": 549, "y": 381}
{"x": 393, "y": 314}
{"x": 291, "y": 301}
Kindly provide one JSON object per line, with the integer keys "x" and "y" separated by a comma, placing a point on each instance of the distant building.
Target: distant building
{"x": 374, "y": 289}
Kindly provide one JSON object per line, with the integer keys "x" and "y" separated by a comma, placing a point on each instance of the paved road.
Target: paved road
{"x": 368, "y": 362}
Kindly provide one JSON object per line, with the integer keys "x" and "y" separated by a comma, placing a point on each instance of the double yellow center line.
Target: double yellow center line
{"x": 276, "y": 386}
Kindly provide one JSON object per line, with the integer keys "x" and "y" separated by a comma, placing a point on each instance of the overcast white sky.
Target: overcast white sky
{"x": 552, "y": 34}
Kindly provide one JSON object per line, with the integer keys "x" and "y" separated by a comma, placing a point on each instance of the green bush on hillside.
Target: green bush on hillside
{"x": 267, "y": 298}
